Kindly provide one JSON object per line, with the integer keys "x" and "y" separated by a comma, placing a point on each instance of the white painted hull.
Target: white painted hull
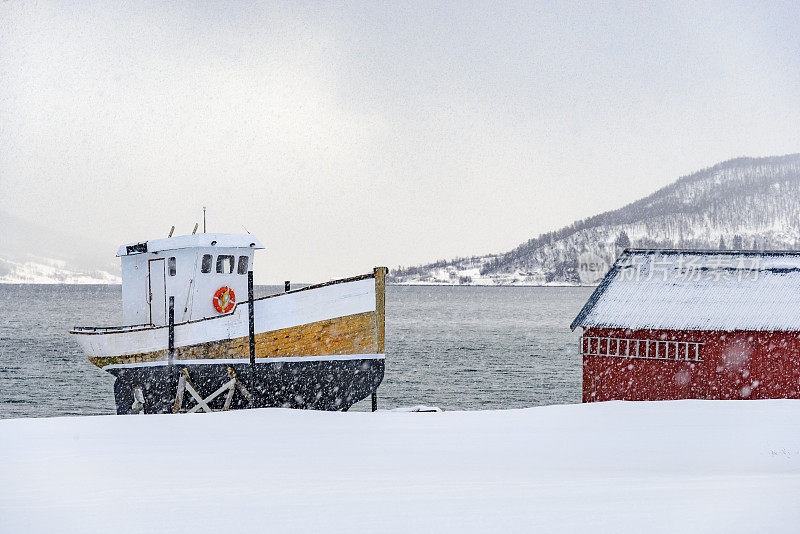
{"x": 275, "y": 313}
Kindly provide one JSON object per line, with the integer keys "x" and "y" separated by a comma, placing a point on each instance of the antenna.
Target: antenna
{"x": 195, "y": 228}
{"x": 171, "y": 230}
{"x": 204, "y": 219}
{"x": 245, "y": 229}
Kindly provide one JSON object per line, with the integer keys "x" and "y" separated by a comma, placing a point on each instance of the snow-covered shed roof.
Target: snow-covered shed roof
{"x": 191, "y": 241}
{"x": 697, "y": 290}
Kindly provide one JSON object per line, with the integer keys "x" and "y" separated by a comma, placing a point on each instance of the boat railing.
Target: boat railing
{"x": 113, "y": 328}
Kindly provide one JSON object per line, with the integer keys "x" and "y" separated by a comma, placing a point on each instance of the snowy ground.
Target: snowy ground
{"x": 685, "y": 466}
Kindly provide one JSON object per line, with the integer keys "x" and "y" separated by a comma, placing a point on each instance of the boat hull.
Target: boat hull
{"x": 330, "y": 384}
{"x": 319, "y": 347}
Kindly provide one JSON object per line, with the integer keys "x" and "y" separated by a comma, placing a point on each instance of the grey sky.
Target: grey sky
{"x": 351, "y": 135}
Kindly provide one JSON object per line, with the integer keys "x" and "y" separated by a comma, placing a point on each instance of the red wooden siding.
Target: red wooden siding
{"x": 731, "y": 365}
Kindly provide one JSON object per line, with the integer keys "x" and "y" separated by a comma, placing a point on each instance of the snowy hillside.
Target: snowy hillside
{"x": 51, "y": 271}
{"x": 30, "y": 254}
{"x": 744, "y": 203}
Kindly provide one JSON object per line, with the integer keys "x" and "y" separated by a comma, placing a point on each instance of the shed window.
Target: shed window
{"x": 224, "y": 264}
{"x": 171, "y": 266}
{"x": 205, "y": 267}
{"x": 243, "y": 261}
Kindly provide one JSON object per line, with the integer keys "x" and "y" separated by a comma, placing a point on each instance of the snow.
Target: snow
{"x": 453, "y": 275}
{"x": 650, "y": 289}
{"x": 677, "y": 466}
{"x": 197, "y": 241}
{"x": 51, "y": 271}
{"x": 417, "y": 408}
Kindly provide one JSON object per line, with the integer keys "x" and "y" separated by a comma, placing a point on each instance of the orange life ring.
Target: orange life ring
{"x": 224, "y": 299}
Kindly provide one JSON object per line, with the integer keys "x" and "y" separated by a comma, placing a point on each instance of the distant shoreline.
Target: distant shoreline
{"x": 301, "y": 285}
{"x": 490, "y": 285}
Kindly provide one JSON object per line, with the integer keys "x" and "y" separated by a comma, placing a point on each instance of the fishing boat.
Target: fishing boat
{"x": 190, "y": 321}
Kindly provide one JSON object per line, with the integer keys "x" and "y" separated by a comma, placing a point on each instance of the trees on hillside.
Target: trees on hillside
{"x": 623, "y": 241}
{"x": 744, "y": 199}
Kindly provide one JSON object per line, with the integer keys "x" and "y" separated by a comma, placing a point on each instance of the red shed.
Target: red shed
{"x": 679, "y": 324}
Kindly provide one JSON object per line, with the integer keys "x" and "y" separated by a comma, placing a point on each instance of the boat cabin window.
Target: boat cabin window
{"x": 224, "y": 264}
{"x": 242, "y": 265}
{"x": 171, "y": 266}
{"x": 205, "y": 267}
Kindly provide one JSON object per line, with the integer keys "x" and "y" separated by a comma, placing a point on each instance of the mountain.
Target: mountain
{"x": 743, "y": 203}
{"x": 33, "y": 254}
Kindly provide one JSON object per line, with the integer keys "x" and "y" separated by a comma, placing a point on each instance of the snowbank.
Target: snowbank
{"x": 683, "y": 466}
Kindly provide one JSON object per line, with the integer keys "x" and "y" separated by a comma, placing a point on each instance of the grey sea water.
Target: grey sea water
{"x": 460, "y": 348}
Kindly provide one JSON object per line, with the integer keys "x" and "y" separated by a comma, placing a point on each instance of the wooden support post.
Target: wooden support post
{"x": 232, "y": 390}
{"x": 171, "y": 345}
{"x": 252, "y": 331}
{"x": 138, "y": 400}
{"x": 229, "y": 397}
{"x": 179, "y": 396}
{"x": 380, "y": 314}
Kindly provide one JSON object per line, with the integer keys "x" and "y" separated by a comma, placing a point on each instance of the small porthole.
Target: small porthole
{"x": 171, "y": 266}
{"x": 205, "y": 266}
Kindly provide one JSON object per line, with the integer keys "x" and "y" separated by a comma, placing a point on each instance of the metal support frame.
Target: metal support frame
{"x": 252, "y": 332}
{"x": 171, "y": 342}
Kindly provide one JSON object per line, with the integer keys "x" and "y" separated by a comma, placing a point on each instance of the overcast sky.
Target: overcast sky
{"x": 351, "y": 135}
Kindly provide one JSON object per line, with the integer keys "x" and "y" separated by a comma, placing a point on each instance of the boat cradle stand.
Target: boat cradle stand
{"x": 185, "y": 384}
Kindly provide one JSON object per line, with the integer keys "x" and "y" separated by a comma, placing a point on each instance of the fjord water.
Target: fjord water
{"x": 460, "y": 348}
